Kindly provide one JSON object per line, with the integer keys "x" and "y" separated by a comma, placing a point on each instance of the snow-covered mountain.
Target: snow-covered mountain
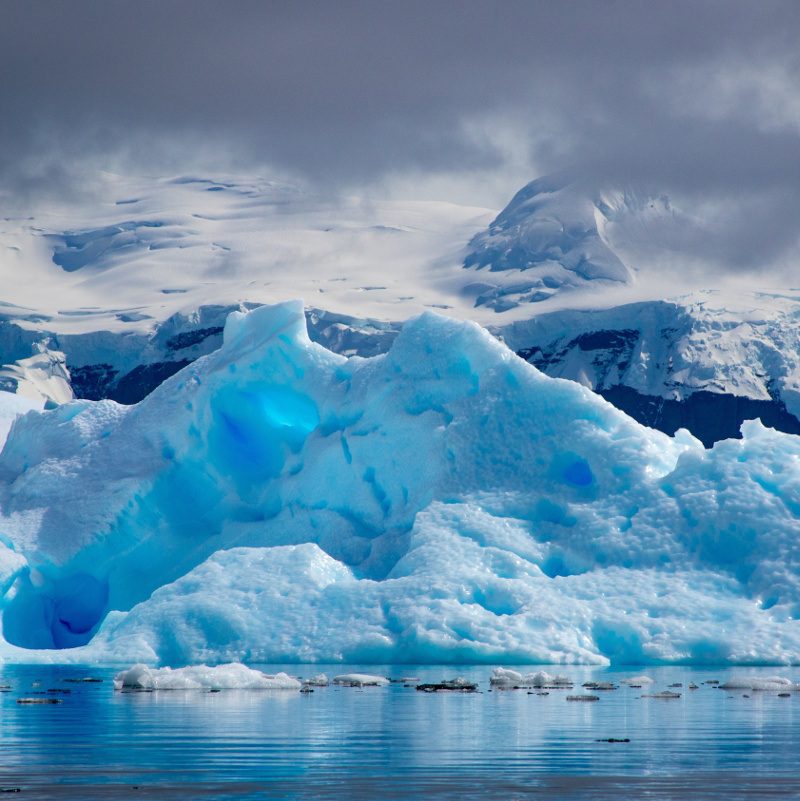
{"x": 561, "y": 234}
{"x": 442, "y": 502}
{"x": 110, "y": 297}
{"x": 140, "y": 251}
{"x": 705, "y": 361}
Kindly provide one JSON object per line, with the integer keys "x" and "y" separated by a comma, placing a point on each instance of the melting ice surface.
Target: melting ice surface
{"x": 444, "y": 502}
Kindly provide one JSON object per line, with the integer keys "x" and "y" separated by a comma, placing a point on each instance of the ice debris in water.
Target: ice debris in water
{"x": 637, "y": 681}
{"x": 505, "y": 678}
{"x": 765, "y": 683}
{"x": 360, "y": 680}
{"x": 443, "y": 502}
{"x": 234, "y": 676}
{"x": 459, "y": 684}
{"x": 320, "y": 680}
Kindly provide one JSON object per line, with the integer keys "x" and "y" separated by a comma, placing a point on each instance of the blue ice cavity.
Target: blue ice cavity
{"x": 61, "y": 613}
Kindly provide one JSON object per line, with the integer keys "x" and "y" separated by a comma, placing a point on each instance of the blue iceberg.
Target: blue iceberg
{"x": 442, "y": 502}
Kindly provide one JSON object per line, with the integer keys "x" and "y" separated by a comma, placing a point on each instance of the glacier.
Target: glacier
{"x": 442, "y": 502}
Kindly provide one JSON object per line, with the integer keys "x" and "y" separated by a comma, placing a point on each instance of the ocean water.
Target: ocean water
{"x": 397, "y": 743}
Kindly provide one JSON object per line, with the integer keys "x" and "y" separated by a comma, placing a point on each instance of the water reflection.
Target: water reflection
{"x": 394, "y": 742}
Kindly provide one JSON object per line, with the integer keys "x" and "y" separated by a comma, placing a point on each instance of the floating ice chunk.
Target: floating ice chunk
{"x": 320, "y": 680}
{"x": 459, "y": 684}
{"x": 360, "y": 680}
{"x": 663, "y": 694}
{"x": 506, "y": 678}
{"x": 637, "y": 680}
{"x": 765, "y": 683}
{"x": 233, "y": 676}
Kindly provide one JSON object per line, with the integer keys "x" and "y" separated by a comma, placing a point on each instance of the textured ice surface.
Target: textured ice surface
{"x": 444, "y": 502}
{"x": 233, "y": 676}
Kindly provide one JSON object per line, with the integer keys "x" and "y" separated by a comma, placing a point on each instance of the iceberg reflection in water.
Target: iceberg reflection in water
{"x": 392, "y": 742}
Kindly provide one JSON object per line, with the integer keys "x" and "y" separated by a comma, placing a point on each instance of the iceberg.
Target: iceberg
{"x": 443, "y": 502}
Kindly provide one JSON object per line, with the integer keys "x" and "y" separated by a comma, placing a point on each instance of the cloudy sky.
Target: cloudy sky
{"x": 457, "y": 100}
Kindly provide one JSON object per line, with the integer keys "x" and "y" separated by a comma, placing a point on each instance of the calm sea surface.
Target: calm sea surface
{"x": 396, "y": 743}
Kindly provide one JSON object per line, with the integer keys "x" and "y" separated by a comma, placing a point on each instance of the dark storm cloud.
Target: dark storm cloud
{"x": 695, "y": 97}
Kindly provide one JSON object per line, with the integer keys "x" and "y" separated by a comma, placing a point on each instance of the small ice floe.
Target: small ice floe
{"x": 458, "y": 685}
{"x": 505, "y": 679}
{"x": 694, "y": 686}
{"x": 637, "y": 681}
{"x": 599, "y": 685}
{"x": 583, "y": 698}
{"x": 320, "y": 680}
{"x": 39, "y": 700}
{"x": 360, "y": 680}
{"x": 233, "y": 676}
{"x": 762, "y": 683}
{"x": 405, "y": 680}
{"x": 663, "y": 694}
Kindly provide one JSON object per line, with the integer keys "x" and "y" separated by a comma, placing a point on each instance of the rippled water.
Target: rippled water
{"x": 397, "y": 743}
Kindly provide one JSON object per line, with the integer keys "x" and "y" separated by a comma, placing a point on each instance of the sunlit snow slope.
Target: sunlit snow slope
{"x": 140, "y": 250}
{"x": 445, "y": 501}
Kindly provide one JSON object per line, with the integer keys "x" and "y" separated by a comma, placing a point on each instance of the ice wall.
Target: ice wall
{"x": 442, "y": 502}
